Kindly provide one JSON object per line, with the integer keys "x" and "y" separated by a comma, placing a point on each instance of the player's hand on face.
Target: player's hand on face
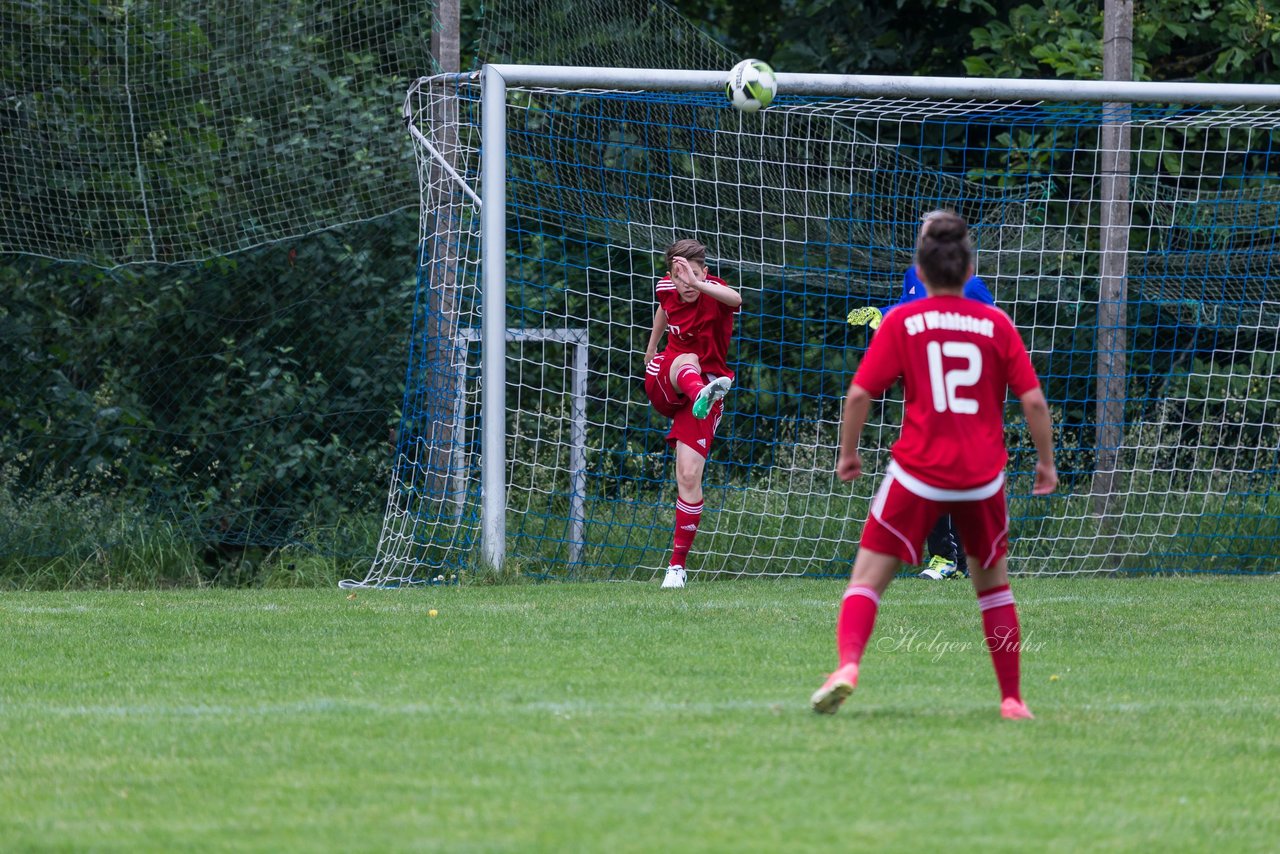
{"x": 681, "y": 272}
{"x": 849, "y": 467}
{"x": 1046, "y": 479}
{"x": 686, "y": 281}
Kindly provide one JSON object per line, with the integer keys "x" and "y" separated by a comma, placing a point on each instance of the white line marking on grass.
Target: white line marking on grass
{"x": 585, "y": 708}
{"x": 46, "y": 609}
{"x": 336, "y": 705}
{"x": 1028, "y": 598}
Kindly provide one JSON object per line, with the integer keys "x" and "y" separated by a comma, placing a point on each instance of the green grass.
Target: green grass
{"x": 620, "y": 717}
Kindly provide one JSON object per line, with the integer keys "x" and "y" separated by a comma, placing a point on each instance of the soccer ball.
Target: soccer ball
{"x": 751, "y": 85}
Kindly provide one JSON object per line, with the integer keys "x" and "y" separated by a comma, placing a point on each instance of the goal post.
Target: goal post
{"x": 567, "y": 183}
{"x": 577, "y": 340}
{"x": 493, "y": 266}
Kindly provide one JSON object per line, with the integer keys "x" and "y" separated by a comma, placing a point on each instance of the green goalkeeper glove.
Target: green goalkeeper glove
{"x": 868, "y": 315}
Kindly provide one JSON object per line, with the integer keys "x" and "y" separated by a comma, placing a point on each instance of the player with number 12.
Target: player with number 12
{"x": 956, "y": 358}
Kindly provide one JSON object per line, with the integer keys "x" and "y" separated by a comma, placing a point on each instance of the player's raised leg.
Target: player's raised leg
{"x": 1003, "y": 633}
{"x": 872, "y": 572}
{"x": 686, "y": 375}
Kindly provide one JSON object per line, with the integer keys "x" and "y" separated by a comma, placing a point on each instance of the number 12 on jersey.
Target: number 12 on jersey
{"x": 945, "y": 384}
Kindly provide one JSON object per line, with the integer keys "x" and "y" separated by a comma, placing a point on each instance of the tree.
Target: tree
{"x": 1206, "y": 40}
{"x": 1202, "y": 40}
{"x": 842, "y": 37}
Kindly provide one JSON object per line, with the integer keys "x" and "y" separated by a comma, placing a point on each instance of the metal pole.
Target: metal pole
{"x": 1112, "y": 338}
{"x": 493, "y": 263}
{"x": 886, "y": 86}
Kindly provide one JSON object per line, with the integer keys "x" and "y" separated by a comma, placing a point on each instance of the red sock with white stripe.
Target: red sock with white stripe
{"x": 1004, "y": 637}
{"x": 687, "y": 518}
{"x": 857, "y": 619}
{"x": 689, "y": 379}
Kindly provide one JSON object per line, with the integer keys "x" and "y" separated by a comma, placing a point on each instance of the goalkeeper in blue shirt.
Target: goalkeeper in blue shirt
{"x": 946, "y": 556}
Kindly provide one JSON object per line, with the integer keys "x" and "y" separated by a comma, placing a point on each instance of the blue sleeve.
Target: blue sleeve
{"x": 975, "y": 288}
{"x": 912, "y": 289}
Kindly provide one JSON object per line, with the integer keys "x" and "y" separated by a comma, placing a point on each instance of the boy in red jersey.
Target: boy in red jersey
{"x": 687, "y": 381}
{"x": 956, "y": 358}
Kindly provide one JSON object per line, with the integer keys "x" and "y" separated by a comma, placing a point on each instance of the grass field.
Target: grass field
{"x": 623, "y": 718}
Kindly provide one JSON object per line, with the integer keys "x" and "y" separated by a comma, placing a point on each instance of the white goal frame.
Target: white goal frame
{"x": 577, "y": 339}
{"x": 496, "y": 78}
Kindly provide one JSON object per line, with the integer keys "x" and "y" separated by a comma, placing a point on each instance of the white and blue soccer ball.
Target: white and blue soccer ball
{"x": 751, "y": 85}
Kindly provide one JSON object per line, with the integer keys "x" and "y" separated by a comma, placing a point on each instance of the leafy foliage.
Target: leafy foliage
{"x": 1207, "y": 40}
{"x": 162, "y": 131}
{"x": 238, "y": 396}
{"x": 240, "y": 381}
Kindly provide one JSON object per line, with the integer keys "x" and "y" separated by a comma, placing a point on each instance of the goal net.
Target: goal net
{"x": 1132, "y": 242}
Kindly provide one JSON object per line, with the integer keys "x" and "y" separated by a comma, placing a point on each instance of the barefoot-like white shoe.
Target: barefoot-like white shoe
{"x": 674, "y": 577}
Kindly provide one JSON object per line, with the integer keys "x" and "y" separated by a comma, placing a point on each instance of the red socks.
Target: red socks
{"x": 999, "y": 624}
{"x": 687, "y": 518}
{"x": 689, "y": 379}
{"x": 1004, "y": 637}
{"x": 857, "y": 619}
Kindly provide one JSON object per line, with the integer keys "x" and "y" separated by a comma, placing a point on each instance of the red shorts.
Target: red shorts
{"x": 905, "y": 509}
{"x": 673, "y": 403}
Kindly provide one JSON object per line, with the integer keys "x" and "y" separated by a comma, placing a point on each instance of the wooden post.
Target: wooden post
{"x": 444, "y": 36}
{"x": 1112, "y": 340}
{"x": 447, "y": 352}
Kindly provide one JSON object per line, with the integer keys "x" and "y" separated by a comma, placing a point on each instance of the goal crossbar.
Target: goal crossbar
{"x": 893, "y": 86}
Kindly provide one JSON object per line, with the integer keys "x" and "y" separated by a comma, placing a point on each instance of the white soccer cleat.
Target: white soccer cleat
{"x": 711, "y": 392}
{"x": 674, "y": 577}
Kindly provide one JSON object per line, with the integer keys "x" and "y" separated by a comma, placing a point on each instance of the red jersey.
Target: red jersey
{"x": 957, "y": 358}
{"x": 702, "y": 327}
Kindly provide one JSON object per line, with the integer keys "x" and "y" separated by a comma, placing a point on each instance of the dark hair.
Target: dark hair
{"x": 688, "y": 248}
{"x": 943, "y": 251}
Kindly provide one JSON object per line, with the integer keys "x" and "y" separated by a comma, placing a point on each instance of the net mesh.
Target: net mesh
{"x": 595, "y": 33}
{"x": 170, "y": 132}
{"x": 207, "y": 240}
{"x": 811, "y": 209}
{"x": 207, "y": 272}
